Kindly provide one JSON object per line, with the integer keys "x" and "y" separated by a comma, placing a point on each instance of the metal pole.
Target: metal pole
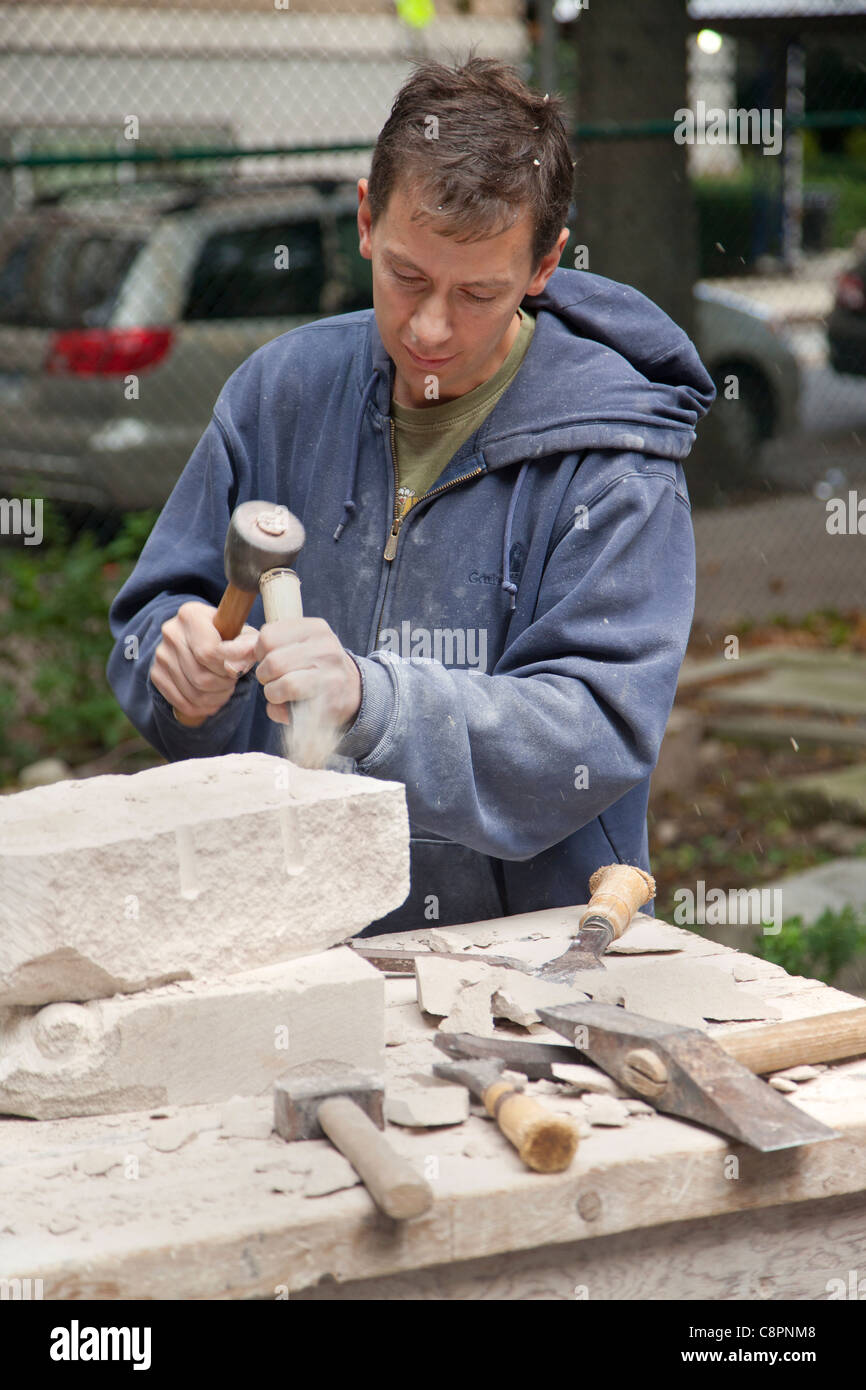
{"x": 547, "y": 67}
{"x": 792, "y": 158}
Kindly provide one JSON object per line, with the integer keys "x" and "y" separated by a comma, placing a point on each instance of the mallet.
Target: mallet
{"x": 262, "y": 543}
{"x": 347, "y": 1107}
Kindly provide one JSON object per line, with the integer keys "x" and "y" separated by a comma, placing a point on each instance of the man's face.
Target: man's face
{"x": 446, "y": 309}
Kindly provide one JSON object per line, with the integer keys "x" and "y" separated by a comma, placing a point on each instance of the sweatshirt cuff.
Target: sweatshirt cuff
{"x": 203, "y": 740}
{"x": 376, "y": 711}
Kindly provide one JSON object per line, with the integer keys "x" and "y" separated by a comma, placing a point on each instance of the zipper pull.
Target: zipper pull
{"x": 405, "y": 498}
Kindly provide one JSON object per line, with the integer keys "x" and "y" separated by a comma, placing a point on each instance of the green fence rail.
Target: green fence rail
{"x": 596, "y": 130}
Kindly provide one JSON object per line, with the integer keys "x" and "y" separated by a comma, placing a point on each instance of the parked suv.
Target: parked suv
{"x": 122, "y": 318}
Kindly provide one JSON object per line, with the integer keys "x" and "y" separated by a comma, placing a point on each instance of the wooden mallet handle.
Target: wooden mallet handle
{"x": 261, "y": 537}
{"x": 392, "y": 1182}
{"x": 545, "y": 1142}
{"x": 234, "y": 609}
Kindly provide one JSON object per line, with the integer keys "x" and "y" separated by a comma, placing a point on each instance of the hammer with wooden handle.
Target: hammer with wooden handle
{"x": 262, "y": 543}
{"x": 347, "y": 1106}
{"x": 545, "y": 1142}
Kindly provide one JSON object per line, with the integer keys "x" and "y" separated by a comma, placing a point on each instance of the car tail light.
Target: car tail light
{"x": 851, "y": 291}
{"x": 107, "y": 351}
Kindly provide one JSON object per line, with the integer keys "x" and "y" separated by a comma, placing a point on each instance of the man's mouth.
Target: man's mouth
{"x": 431, "y": 363}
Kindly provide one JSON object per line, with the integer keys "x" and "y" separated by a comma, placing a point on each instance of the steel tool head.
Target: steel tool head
{"x": 534, "y": 1060}
{"x": 584, "y": 953}
{"x": 261, "y": 536}
{"x": 476, "y": 1075}
{"x": 298, "y": 1095}
{"x": 683, "y": 1072}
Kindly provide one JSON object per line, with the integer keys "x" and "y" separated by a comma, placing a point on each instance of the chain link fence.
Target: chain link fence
{"x": 178, "y": 186}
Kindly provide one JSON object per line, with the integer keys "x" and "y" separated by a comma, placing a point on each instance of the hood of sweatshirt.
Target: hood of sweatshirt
{"x": 606, "y": 369}
{"x": 626, "y": 376}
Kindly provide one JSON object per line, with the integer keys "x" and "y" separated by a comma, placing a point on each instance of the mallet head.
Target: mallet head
{"x": 261, "y": 536}
{"x": 298, "y": 1095}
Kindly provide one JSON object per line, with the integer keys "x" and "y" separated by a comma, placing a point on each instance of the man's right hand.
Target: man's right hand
{"x": 193, "y": 667}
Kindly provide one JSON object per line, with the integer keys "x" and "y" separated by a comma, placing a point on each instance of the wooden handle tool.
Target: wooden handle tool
{"x": 616, "y": 893}
{"x": 346, "y": 1106}
{"x": 261, "y": 538}
{"x": 396, "y": 1188}
{"x": 545, "y": 1142}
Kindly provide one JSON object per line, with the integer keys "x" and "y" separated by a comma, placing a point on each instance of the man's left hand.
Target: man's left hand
{"x": 302, "y": 659}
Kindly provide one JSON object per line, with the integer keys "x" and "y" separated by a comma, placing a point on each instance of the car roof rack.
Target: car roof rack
{"x": 183, "y": 194}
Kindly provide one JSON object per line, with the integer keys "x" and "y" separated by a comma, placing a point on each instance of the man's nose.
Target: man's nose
{"x": 430, "y": 325}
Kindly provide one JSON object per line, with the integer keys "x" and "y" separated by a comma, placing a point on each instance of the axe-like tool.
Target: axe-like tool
{"x": 683, "y": 1072}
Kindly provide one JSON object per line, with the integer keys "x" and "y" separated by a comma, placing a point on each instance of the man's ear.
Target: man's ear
{"x": 547, "y": 265}
{"x": 365, "y": 221}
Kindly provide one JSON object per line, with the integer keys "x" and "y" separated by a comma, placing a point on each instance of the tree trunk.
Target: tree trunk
{"x": 635, "y": 212}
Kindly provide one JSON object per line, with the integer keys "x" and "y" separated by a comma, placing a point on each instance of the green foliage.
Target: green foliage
{"x": 845, "y": 176}
{"x": 818, "y": 950}
{"x": 55, "y": 641}
{"x": 726, "y": 207}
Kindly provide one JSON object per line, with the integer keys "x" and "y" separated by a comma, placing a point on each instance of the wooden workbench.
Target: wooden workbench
{"x": 194, "y": 1206}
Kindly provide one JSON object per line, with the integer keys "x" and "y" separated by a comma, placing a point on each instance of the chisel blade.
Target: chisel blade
{"x": 683, "y": 1072}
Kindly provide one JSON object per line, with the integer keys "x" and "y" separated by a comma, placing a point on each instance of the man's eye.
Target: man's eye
{"x": 405, "y": 279}
{"x": 479, "y": 299}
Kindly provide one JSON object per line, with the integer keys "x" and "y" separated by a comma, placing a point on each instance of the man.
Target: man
{"x": 499, "y": 564}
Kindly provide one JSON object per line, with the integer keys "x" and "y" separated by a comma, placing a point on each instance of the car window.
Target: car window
{"x": 269, "y": 271}
{"x": 63, "y": 277}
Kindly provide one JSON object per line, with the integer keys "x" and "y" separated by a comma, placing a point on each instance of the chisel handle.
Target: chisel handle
{"x": 390, "y": 1179}
{"x": 617, "y": 891}
{"x": 281, "y": 598}
{"x": 545, "y": 1142}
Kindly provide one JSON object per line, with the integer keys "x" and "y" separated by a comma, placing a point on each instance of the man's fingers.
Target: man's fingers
{"x": 175, "y": 696}
{"x": 203, "y": 679}
{"x": 194, "y": 629}
{"x": 289, "y": 632}
{"x": 239, "y": 655}
{"x": 293, "y": 685}
{"x": 167, "y": 672}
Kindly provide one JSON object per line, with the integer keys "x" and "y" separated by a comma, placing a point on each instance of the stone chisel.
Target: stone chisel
{"x": 683, "y": 1072}
{"x": 545, "y": 1142}
{"x": 617, "y": 891}
{"x": 347, "y": 1107}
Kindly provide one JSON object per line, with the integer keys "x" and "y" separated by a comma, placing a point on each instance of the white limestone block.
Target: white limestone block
{"x": 206, "y": 867}
{"x": 192, "y": 1044}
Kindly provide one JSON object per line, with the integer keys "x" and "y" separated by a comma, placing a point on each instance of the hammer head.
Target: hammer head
{"x": 297, "y": 1097}
{"x": 261, "y": 536}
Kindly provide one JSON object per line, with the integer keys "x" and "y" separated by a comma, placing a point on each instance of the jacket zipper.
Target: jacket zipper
{"x": 403, "y": 500}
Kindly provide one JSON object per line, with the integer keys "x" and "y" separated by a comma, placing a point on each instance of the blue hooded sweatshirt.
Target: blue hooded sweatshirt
{"x": 519, "y": 655}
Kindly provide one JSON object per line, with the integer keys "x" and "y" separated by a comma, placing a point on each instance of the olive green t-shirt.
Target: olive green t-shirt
{"x": 427, "y": 438}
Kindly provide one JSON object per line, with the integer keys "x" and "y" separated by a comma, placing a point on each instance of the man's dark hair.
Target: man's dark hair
{"x": 476, "y": 147}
